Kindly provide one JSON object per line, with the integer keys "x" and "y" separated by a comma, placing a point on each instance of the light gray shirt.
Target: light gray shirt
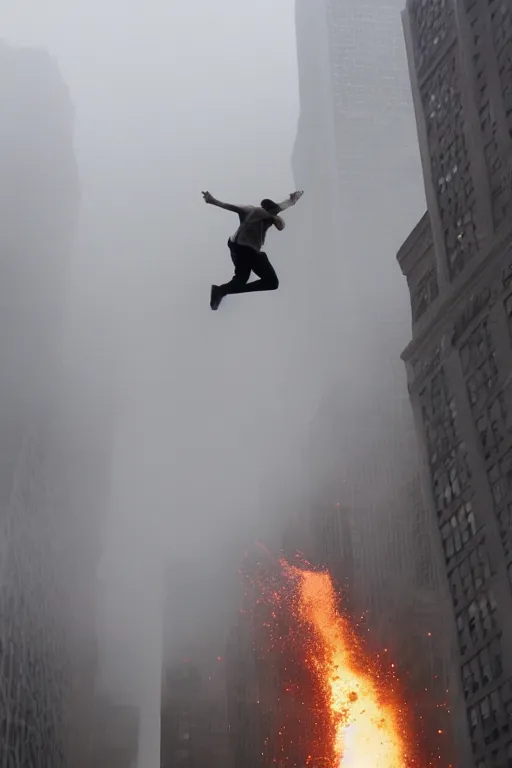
{"x": 254, "y": 225}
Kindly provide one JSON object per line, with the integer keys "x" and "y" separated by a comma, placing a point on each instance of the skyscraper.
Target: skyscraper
{"x": 115, "y": 736}
{"x": 356, "y": 153}
{"x": 194, "y": 717}
{"x": 55, "y": 433}
{"x": 458, "y": 264}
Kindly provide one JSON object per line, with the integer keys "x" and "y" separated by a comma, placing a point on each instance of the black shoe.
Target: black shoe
{"x": 215, "y": 297}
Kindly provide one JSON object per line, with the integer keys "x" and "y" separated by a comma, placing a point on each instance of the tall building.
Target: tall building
{"x": 115, "y": 736}
{"x": 194, "y": 709}
{"x": 355, "y": 154}
{"x": 55, "y": 434}
{"x": 194, "y": 724}
{"x": 356, "y": 151}
{"x": 458, "y": 265}
{"x": 264, "y": 676}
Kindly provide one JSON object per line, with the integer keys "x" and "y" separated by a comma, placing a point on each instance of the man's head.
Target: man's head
{"x": 270, "y": 206}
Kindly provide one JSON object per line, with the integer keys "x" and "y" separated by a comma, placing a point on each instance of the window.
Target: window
{"x": 470, "y": 576}
{"x": 479, "y": 365}
{"x": 475, "y": 675}
{"x": 496, "y": 705}
{"x": 485, "y": 710}
{"x": 459, "y": 530}
{"x": 484, "y": 663}
{"x": 467, "y": 680}
{"x": 500, "y": 477}
{"x": 504, "y": 515}
{"x": 473, "y": 720}
{"x": 477, "y": 620}
{"x": 455, "y": 586}
{"x": 491, "y": 714}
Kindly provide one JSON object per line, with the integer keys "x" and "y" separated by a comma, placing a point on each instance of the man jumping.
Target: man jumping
{"x": 246, "y": 244}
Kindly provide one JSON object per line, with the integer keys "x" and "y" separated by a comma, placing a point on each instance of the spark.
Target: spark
{"x": 367, "y": 729}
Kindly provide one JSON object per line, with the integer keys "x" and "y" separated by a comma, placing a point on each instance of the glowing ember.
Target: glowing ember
{"x": 367, "y": 726}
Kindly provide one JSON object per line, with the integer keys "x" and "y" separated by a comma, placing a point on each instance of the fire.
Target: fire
{"x": 366, "y": 723}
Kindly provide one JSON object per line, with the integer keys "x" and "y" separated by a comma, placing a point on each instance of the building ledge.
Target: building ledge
{"x": 415, "y": 245}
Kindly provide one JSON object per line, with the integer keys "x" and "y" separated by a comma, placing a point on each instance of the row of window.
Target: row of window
{"x": 438, "y": 410}
{"x": 425, "y": 292}
{"x": 500, "y": 758}
{"x": 431, "y": 23}
{"x": 477, "y": 350}
{"x": 468, "y": 577}
{"x": 482, "y": 669}
{"x": 500, "y": 477}
{"x": 504, "y": 516}
{"x": 458, "y": 531}
{"x": 476, "y": 622}
{"x": 490, "y": 718}
{"x": 479, "y": 366}
{"x": 491, "y": 427}
{"x": 450, "y": 484}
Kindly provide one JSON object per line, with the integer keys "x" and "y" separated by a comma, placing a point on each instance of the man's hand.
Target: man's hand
{"x": 291, "y": 200}
{"x": 295, "y": 196}
{"x": 211, "y": 200}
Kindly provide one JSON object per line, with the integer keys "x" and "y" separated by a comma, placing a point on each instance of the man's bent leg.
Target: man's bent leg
{"x": 262, "y": 267}
{"x": 238, "y": 282}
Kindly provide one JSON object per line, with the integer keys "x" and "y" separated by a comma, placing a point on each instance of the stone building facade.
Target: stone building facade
{"x": 458, "y": 265}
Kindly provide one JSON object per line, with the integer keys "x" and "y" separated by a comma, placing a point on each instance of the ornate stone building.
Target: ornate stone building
{"x": 458, "y": 265}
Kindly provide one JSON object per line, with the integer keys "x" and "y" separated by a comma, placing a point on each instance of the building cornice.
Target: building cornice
{"x": 456, "y": 297}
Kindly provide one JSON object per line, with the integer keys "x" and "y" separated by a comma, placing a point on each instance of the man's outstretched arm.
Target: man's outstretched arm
{"x": 291, "y": 200}
{"x": 208, "y": 198}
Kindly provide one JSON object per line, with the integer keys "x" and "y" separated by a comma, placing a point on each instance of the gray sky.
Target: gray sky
{"x": 172, "y": 98}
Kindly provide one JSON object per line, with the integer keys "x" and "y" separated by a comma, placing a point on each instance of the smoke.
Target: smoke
{"x": 170, "y": 99}
{"x": 211, "y": 409}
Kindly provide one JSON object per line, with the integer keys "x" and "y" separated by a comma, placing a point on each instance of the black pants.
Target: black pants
{"x": 247, "y": 260}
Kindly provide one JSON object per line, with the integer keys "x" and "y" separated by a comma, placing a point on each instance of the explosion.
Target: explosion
{"x": 368, "y": 730}
{"x": 336, "y": 709}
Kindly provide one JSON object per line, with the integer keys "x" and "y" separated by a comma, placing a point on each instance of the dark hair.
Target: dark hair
{"x": 269, "y": 205}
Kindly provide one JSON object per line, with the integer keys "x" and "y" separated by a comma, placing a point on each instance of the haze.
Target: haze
{"x": 172, "y": 98}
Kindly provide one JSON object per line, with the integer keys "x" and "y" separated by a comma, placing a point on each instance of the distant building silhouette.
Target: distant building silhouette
{"x": 194, "y": 708}
{"x": 194, "y": 724}
{"x": 356, "y": 154}
{"x": 56, "y": 426}
{"x": 458, "y": 265}
{"x": 115, "y": 737}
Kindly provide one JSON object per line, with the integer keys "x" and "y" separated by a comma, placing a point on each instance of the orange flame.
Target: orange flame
{"x": 367, "y": 725}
